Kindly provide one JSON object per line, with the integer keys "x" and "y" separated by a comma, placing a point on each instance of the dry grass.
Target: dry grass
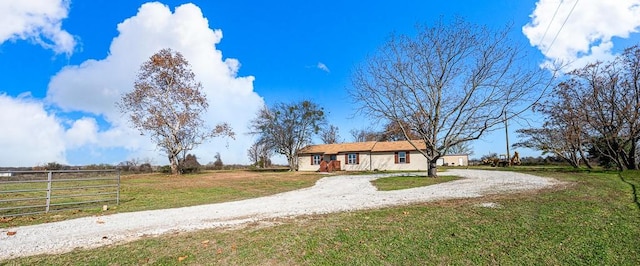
{"x": 161, "y": 191}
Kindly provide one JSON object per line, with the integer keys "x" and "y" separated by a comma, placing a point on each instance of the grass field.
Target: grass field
{"x": 593, "y": 219}
{"x": 404, "y": 182}
{"x": 161, "y": 191}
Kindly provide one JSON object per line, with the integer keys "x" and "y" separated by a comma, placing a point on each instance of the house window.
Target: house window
{"x": 402, "y": 157}
{"x": 315, "y": 159}
{"x": 352, "y": 158}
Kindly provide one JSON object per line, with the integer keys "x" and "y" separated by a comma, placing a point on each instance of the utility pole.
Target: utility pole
{"x": 506, "y": 131}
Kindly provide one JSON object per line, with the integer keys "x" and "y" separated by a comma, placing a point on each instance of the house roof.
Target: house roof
{"x": 337, "y": 148}
{"x": 372, "y": 146}
{"x": 398, "y": 146}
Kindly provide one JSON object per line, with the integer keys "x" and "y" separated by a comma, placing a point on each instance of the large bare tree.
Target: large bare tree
{"x": 609, "y": 97}
{"x": 167, "y": 104}
{"x": 288, "y": 127}
{"x": 595, "y": 109}
{"x": 451, "y": 83}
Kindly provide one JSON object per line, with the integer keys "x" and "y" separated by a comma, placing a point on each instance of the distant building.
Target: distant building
{"x": 369, "y": 156}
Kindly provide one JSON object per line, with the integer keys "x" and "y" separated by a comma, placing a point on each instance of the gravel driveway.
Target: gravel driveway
{"x": 330, "y": 194}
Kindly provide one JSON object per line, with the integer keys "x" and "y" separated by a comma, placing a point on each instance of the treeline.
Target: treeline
{"x": 189, "y": 165}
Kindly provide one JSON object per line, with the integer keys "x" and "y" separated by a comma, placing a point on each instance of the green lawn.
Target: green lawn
{"x": 404, "y": 182}
{"x": 594, "y": 219}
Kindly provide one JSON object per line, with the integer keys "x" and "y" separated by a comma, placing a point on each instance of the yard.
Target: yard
{"x": 593, "y": 219}
{"x": 160, "y": 191}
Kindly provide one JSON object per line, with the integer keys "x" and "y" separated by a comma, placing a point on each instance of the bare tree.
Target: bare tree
{"x": 563, "y": 132}
{"x": 450, "y": 84}
{"x": 393, "y": 132}
{"x": 130, "y": 165}
{"x": 361, "y": 135}
{"x": 550, "y": 140}
{"x": 288, "y": 127}
{"x": 609, "y": 104}
{"x": 329, "y": 135}
{"x": 461, "y": 148}
{"x": 260, "y": 154}
{"x": 596, "y": 110}
{"x": 167, "y": 104}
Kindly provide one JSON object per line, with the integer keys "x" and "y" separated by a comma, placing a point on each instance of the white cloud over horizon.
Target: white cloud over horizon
{"x": 39, "y": 21}
{"x": 577, "y": 33}
{"x": 29, "y": 134}
{"x": 93, "y": 87}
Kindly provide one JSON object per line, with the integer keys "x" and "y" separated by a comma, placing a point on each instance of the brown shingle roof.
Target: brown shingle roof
{"x": 374, "y": 146}
{"x": 337, "y": 148}
{"x": 398, "y": 146}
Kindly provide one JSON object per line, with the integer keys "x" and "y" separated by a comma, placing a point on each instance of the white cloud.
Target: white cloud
{"x": 82, "y": 132}
{"x": 96, "y": 85}
{"x": 323, "y": 67}
{"x": 29, "y": 134}
{"x": 588, "y": 32}
{"x": 39, "y": 21}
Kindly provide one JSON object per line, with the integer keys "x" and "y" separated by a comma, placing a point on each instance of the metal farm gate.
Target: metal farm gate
{"x": 32, "y": 192}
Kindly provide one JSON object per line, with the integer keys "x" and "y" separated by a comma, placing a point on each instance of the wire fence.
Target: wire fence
{"x": 33, "y": 192}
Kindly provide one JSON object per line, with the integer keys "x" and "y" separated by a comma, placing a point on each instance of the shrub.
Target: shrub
{"x": 190, "y": 164}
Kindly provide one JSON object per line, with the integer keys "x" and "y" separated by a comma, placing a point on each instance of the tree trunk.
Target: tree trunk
{"x": 174, "y": 164}
{"x": 585, "y": 160}
{"x": 621, "y": 164}
{"x": 432, "y": 170}
{"x": 292, "y": 163}
{"x": 631, "y": 157}
{"x": 574, "y": 162}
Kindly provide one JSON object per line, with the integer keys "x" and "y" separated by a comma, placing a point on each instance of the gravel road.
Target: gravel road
{"x": 330, "y": 194}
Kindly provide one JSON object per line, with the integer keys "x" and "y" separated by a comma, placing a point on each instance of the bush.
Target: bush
{"x": 190, "y": 165}
{"x": 165, "y": 169}
{"x": 146, "y": 168}
{"x": 217, "y": 165}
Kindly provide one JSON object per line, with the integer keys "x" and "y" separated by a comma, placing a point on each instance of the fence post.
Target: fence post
{"x": 118, "y": 192}
{"x": 49, "y": 178}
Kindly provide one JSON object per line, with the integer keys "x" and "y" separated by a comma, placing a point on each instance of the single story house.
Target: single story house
{"x": 369, "y": 156}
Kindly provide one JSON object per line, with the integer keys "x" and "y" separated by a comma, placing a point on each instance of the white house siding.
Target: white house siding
{"x": 386, "y": 161}
{"x": 304, "y": 163}
{"x": 364, "y": 163}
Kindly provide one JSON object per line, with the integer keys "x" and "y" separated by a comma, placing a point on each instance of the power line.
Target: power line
{"x": 562, "y": 26}
{"x": 551, "y": 21}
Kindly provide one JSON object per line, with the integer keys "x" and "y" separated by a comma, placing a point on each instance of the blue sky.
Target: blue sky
{"x": 64, "y": 63}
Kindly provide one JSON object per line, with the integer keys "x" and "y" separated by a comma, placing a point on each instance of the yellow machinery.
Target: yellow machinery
{"x": 502, "y": 160}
